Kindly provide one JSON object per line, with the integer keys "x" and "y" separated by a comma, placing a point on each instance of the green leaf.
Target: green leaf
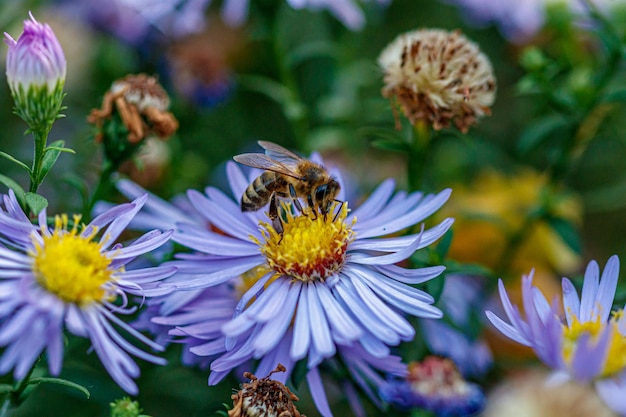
{"x": 276, "y": 91}
{"x": 444, "y": 244}
{"x": 6, "y": 388}
{"x": 614, "y": 96}
{"x": 311, "y": 50}
{"x": 78, "y": 183}
{"x": 607, "y": 198}
{"x": 19, "y": 191}
{"x": 299, "y": 372}
{"x": 61, "y": 149}
{"x": 567, "y": 231}
{"x": 538, "y": 132}
{"x": 60, "y": 381}
{"x": 35, "y": 202}
{"x": 50, "y": 156}
{"x": 385, "y": 138}
{"x": 435, "y": 286}
{"x": 14, "y": 160}
{"x": 455, "y": 267}
{"x": 391, "y": 145}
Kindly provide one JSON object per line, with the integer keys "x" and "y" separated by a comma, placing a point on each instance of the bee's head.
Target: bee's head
{"x": 325, "y": 194}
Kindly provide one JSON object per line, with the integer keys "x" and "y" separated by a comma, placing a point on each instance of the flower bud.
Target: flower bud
{"x": 36, "y": 69}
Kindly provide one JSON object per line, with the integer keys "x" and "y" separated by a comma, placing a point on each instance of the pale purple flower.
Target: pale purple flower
{"x": 75, "y": 279}
{"x": 36, "y": 59}
{"x": 358, "y": 300}
{"x": 340, "y": 314}
{"x": 434, "y": 385}
{"x": 134, "y": 21}
{"x": 520, "y": 20}
{"x": 586, "y": 345}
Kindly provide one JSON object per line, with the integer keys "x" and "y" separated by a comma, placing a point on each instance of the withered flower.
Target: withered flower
{"x": 142, "y": 105}
{"x": 264, "y": 398}
{"x": 438, "y": 77}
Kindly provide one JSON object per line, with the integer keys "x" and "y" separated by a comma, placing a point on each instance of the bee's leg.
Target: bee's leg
{"x": 294, "y": 198}
{"x": 309, "y": 200}
{"x": 277, "y": 222}
{"x": 338, "y": 211}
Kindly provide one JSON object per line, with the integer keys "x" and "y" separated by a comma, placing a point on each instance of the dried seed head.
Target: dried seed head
{"x": 438, "y": 77}
{"x": 142, "y": 105}
{"x": 264, "y": 398}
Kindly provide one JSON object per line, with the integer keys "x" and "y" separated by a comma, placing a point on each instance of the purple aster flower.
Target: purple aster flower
{"x": 77, "y": 278}
{"x": 460, "y": 301}
{"x": 36, "y": 69}
{"x": 435, "y": 385}
{"x": 588, "y": 345}
{"x": 332, "y": 279}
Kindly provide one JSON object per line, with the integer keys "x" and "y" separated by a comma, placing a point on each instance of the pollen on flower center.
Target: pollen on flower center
{"x": 311, "y": 247}
{"x": 71, "y": 266}
{"x": 615, "y": 356}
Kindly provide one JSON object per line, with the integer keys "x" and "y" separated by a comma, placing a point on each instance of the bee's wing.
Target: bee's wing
{"x": 263, "y": 161}
{"x": 280, "y": 154}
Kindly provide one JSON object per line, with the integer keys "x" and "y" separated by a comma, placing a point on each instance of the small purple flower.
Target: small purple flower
{"x": 36, "y": 59}
{"x": 437, "y": 386}
{"x": 70, "y": 277}
{"x": 588, "y": 345}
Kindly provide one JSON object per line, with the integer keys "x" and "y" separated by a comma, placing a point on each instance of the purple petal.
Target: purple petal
{"x": 590, "y": 355}
{"x": 590, "y": 289}
{"x": 606, "y": 291}
{"x": 612, "y": 393}
{"x": 376, "y": 201}
{"x": 506, "y": 329}
{"x": 301, "y": 328}
{"x": 571, "y": 302}
{"x": 317, "y": 392}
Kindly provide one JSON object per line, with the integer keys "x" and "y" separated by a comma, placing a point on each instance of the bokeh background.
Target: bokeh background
{"x": 302, "y": 79}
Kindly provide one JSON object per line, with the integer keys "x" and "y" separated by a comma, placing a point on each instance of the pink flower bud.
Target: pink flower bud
{"x": 35, "y": 59}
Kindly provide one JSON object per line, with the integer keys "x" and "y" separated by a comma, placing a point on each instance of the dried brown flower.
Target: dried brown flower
{"x": 264, "y": 398}
{"x": 438, "y": 77}
{"x": 142, "y": 105}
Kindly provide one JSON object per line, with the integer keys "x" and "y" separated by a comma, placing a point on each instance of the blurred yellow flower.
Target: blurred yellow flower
{"x": 493, "y": 211}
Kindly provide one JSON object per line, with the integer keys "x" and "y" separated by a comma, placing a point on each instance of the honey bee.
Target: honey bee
{"x": 286, "y": 175}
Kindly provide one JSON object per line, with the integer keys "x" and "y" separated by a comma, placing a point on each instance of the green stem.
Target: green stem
{"x": 41, "y": 140}
{"x": 418, "y": 153}
{"x": 294, "y": 109}
{"x": 13, "y": 399}
{"x": 103, "y": 188}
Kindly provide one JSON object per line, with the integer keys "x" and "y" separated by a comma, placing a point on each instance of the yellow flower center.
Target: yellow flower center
{"x": 616, "y": 353}
{"x": 71, "y": 266}
{"x": 312, "y": 247}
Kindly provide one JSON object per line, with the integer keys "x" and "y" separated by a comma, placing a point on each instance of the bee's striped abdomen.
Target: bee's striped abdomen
{"x": 260, "y": 191}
